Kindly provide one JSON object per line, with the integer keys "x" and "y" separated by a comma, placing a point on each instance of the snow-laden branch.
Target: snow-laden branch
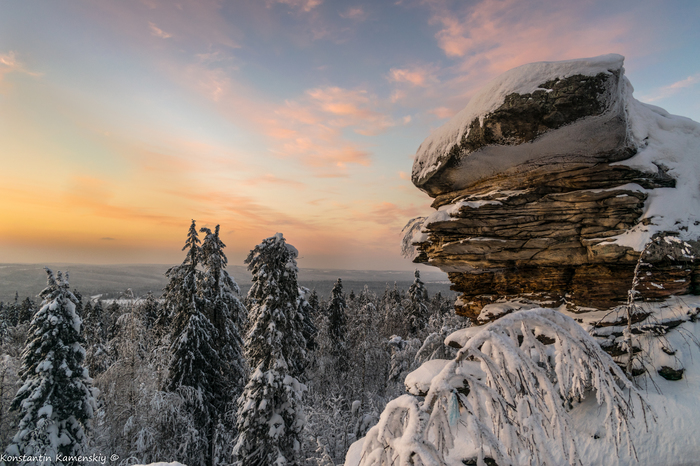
{"x": 533, "y": 365}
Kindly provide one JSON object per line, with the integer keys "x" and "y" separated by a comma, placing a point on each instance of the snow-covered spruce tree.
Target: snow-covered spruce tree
{"x": 220, "y": 294}
{"x": 56, "y": 400}
{"x": 508, "y": 390}
{"x": 196, "y": 370}
{"x": 418, "y": 310}
{"x": 393, "y": 307}
{"x": 337, "y": 327}
{"x": 220, "y": 298}
{"x": 270, "y": 416}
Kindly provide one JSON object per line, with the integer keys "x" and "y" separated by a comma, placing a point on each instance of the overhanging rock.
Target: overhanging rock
{"x": 549, "y": 184}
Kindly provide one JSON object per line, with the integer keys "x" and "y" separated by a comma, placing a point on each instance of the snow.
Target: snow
{"x": 418, "y": 382}
{"x": 664, "y": 142}
{"x": 665, "y": 435}
{"x": 673, "y": 143}
{"x": 524, "y": 79}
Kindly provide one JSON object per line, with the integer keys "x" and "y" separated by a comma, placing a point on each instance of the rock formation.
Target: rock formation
{"x": 550, "y": 183}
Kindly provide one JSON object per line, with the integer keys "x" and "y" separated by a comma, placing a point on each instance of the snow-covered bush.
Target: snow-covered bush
{"x": 508, "y": 390}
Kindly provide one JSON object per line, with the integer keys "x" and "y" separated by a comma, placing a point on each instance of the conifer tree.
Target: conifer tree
{"x": 270, "y": 417}
{"x": 196, "y": 369}
{"x": 56, "y": 401}
{"x": 97, "y": 357}
{"x": 26, "y": 310}
{"x": 418, "y": 309}
{"x": 337, "y": 326}
{"x": 220, "y": 298}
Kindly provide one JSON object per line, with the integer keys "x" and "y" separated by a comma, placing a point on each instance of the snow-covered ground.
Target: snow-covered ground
{"x": 666, "y": 434}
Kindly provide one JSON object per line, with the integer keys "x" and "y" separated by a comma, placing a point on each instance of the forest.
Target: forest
{"x": 205, "y": 376}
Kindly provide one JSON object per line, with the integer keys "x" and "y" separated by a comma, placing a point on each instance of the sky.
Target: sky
{"x": 123, "y": 120}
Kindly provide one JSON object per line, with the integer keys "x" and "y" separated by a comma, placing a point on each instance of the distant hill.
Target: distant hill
{"x": 111, "y": 280}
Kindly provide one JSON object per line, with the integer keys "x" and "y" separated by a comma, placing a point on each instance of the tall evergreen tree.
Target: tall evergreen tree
{"x": 220, "y": 297}
{"x": 26, "y": 310}
{"x": 196, "y": 370}
{"x": 418, "y": 309}
{"x": 270, "y": 417}
{"x": 56, "y": 399}
{"x": 337, "y": 327}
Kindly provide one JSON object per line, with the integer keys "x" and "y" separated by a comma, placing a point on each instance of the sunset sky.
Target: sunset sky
{"x": 122, "y": 120}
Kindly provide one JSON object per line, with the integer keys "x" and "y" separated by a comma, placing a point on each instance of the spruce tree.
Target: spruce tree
{"x": 220, "y": 299}
{"x": 196, "y": 370}
{"x": 337, "y": 326}
{"x": 26, "y": 310}
{"x": 270, "y": 417}
{"x": 56, "y": 401}
{"x": 418, "y": 309}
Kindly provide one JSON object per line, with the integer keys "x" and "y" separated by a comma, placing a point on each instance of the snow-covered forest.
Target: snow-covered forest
{"x": 203, "y": 375}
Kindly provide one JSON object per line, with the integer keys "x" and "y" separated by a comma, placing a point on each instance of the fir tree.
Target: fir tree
{"x": 418, "y": 309}
{"x": 26, "y": 310}
{"x": 308, "y": 311}
{"x": 220, "y": 297}
{"x": 270, "y": 417}
{"x": 337, "y": 326}
{"x": 196, "y": 369}
{"x": 97, "y": 357}
{"x": 56, "y": 402}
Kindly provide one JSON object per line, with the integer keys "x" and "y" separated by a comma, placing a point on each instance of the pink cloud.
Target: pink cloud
{"x": 442, "y": 112}
{"x": 415, "y": 76}
{"x": 497, "y": 35}
{"x": 354, "y": 13}
{"x": 671, "y": 89}
{"x": 9, "y": 64}
{"x": 269, "y": 178}
{"x": 303, "y": 5}
{"x": 158, "y": 32}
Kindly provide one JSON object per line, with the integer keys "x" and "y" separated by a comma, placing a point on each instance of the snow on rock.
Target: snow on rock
{"x": 670, "y": 143}
{"x": 550, "y": 183}
{"x": 437, "y": 150}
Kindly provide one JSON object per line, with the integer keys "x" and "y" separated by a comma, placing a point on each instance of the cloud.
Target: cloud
{"x": 385, "y": 213}
{"x": 311, "y": 127}
{"x": 107, "y": 238}
{"x": 272, "y": 179}
{"x": 303, "y": 5}
{"x": 416, "y": 76}
{"x": 355, "y": 13}
{"x": 496, "y": 35}
{"x": 442, "y": 112}
{"x": 158, "y": 32}
{"x": 10, "y": 64}
{"x": 349, "y": 108}
{"x": 671, "y": 89}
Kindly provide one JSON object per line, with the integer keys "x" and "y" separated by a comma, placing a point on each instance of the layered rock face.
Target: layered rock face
{"x": 543, "y": 187}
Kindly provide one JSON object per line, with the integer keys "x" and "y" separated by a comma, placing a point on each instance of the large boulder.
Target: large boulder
{"x": 551, "y": 182}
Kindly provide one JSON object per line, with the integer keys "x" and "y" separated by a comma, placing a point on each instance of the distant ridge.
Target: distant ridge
{"x": 111, "y": 280}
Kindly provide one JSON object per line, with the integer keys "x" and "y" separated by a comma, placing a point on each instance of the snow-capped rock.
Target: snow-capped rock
{"x": 550, "y": 183}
